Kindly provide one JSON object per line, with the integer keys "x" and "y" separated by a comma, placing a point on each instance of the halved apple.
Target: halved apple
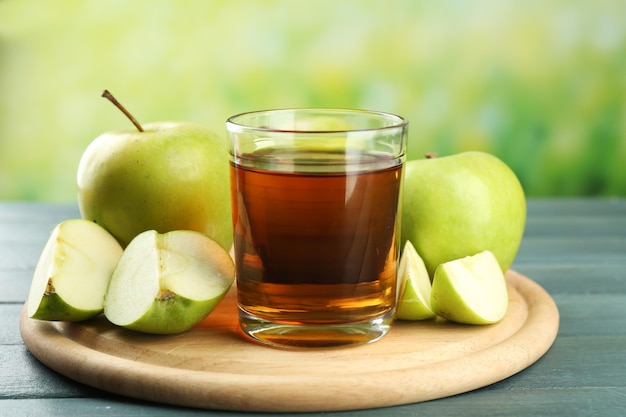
{"x": 415, "y": 286}
{"x": 167, "y": 283}
{"x": 470, "y": 290}
{"x": 73, "y": 272}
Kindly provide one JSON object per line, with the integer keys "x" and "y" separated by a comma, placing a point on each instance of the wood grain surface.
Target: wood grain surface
{"x": 212, "y": 366}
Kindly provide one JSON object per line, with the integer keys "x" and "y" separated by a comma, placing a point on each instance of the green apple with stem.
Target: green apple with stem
{"x": 162, "y": 176}
{"x": 167, "y": 283}
{"x": 470, "y": 290}
{"x": 73, "y": 272}
{"x": 460, "y": 205}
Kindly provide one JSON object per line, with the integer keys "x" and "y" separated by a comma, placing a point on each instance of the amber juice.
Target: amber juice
{"x": 316, "y": 247}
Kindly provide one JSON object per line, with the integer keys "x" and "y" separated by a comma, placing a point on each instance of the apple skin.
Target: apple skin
{"x": 172, "y": 176}
{"x": 460, "y": 205}
{"x": 173, "y": 314}
{"x": 54, "y": 308}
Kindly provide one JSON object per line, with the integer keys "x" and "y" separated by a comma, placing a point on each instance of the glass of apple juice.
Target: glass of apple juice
{"x": 316, "y": 196}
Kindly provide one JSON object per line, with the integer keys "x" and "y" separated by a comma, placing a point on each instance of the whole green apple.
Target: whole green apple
{"x": 460, "y": 205}
{"x": 164, "y": 176}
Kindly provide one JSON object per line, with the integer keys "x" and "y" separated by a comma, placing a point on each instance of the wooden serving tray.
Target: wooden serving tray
{"x": 212, "y": 366}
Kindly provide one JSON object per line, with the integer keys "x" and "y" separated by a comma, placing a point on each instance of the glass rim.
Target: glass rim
{"x": 401, "y": 122}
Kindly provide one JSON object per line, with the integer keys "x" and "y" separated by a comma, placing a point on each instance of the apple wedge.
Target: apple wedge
{"x": 415, "y": 286}
{"x": 167, "y": 283}
{"x": 470, "y": 290}
{"x": 73, "y": 272}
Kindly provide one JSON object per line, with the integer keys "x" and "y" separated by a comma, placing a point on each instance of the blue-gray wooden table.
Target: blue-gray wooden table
{"x": 574, "y": 248}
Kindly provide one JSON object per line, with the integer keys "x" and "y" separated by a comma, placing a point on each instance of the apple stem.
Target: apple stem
{"x": 431, "y": 155}
{"x": 107, "y": 94}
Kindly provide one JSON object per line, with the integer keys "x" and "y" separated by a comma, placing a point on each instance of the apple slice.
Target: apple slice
{"x": 73, "y": 272}
{"x": 167, "y": 283}
{"x": 415, "y": 287}
{"x": 470, "y": 290}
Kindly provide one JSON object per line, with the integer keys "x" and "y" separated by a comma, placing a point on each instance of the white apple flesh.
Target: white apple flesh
{"x": 167, "y": 283}
{"x": 470, "y": 290}
{"x": 73, "y": 272}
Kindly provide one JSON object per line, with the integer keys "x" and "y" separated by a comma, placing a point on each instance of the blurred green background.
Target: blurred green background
{"x": 541, "y": 84}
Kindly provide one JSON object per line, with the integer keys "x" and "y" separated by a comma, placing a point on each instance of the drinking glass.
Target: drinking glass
{"x": 316, "y": 198}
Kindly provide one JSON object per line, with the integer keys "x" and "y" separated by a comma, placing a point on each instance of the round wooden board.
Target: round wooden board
{"x": 212, "y": 366}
